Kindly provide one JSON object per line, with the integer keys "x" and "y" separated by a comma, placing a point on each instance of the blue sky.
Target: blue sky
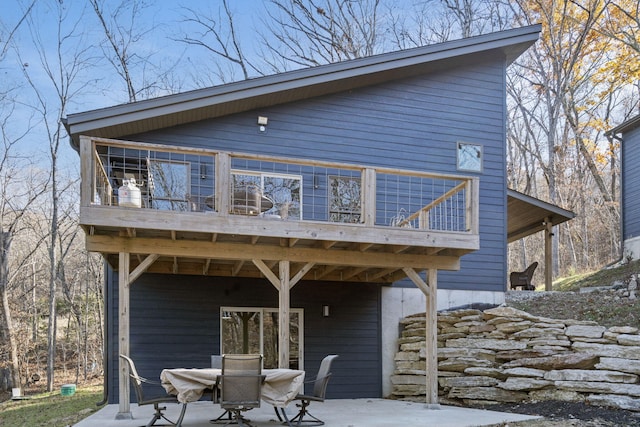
{"x": 98, "y": 85}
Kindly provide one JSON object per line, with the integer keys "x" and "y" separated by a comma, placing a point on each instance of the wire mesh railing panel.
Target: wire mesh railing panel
{"x": 184, "y": 180}
{"x": 419, "y": 202}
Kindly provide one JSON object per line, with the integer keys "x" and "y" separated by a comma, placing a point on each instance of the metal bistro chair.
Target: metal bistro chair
{"x": 319, "y": 390}
{"x": 240, "y": 385}
{"x": 137, "y": 381}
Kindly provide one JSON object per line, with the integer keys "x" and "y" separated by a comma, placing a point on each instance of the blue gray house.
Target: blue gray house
{"x": 334, "y": 199}
{"x": 628, "y": 134}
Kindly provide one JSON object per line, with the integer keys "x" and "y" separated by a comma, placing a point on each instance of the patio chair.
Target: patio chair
{"x": 156, "y": 399}
{"x": 522, "y": 279}
{"x": 240, "y": 385}
{"x": 319, "y": 390}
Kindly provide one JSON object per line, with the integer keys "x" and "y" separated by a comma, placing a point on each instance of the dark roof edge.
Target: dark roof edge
{"x": 541, "y": 204}
{"x": 630, "y": 124}
{"x": 314, "y": 75}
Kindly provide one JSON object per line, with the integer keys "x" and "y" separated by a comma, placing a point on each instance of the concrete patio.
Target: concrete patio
{"x": 335, "y": 413}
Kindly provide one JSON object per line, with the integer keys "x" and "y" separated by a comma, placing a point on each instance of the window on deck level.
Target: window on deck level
{"x": 170, "y": 184}
{"x": 344, "y": 199}
{"x": 285, "y": 191}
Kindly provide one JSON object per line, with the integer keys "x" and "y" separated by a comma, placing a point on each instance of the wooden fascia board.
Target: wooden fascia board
{"x": 235, "y": 251}
{"x": 252, "y": 226}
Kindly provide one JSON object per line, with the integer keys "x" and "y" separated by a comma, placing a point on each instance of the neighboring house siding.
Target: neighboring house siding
{"x": 631, "y": 184}
{"x": 413, "y": 123}
{"x": 175, "y": 322}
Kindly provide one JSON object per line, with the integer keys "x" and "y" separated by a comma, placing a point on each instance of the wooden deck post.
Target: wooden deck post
{"x": 548, "y": 258}
{"x": 124, "y": 410}
{"x": 283, "y": 315}
{"x": 430, "y": 289}
{"x": 431, "y": 347}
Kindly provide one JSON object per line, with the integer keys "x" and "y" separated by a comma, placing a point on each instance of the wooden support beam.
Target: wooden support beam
{"x": 368, "y": 197}
{"x": 300, "y": 274}
{"x": 275, "y": 281}
{"x": 235, "y": 251}
{"x": 142, "y": 267}
{"x": 205, "y": 267}
{"x": 124, "y": 410}
{"x": 223, "y": 186}
{"x": 548, "y": 254}
{"x": 431, "y": 348}
{"x": 327, "y": 270}
{"x": 381, "y": 273}
{"x": 283, "y": 315}
{"x": 352, "y": 272}
{"x": 236, "y": 268}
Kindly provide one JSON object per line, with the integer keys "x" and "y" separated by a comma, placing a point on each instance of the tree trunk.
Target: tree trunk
{"x": 5, "y": 244}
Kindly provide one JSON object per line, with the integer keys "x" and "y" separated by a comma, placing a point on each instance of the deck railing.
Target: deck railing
{"x": 225, "y": 183}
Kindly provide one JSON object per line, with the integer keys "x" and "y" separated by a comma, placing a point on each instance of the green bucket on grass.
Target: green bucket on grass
{"x": 68, "y": 390}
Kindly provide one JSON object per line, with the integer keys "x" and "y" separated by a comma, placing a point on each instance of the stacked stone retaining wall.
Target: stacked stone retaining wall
{"x": 507, "y": 355}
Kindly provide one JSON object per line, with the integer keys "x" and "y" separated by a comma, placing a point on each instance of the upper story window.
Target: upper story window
{"x": 169, "y": 184}
{"x": 345, "y": 204}
{"x": 283, "y": 194}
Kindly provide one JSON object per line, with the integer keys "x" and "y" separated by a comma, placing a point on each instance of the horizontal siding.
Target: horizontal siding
{"x": 175, "y": 323}
{"x": 631, "y": 184}
{"x": 409, "y": 124}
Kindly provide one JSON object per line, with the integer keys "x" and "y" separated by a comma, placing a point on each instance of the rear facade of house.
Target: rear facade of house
{"x": 419, "y": 122}
{"x": 628, "y": 134}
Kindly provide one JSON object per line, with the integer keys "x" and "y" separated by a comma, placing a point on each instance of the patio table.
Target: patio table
{"x": 281, "y": 386}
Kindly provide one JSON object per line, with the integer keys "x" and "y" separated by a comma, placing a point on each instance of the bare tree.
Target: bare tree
{"x": 125, "y": 30}
{"x": 217, "y": 34}
{"x": 63, "y": 65}
{"x": 313, "y": 32}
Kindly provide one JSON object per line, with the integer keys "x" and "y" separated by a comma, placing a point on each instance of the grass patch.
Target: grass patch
{"x": 51, "y": 409}
{"x": 604, "y": 277}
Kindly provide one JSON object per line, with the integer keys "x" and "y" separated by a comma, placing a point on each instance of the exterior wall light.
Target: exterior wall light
{"x": 325, "y": 311}
{"x": 262, "y": 123}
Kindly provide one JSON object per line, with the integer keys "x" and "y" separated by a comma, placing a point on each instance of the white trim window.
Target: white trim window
{"x": 245, "y": 330}
{"x": 284, "y": 190}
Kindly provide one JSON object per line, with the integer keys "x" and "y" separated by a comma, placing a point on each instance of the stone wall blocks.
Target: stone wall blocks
{"x": 487, "y": 393}
{"x": 486, "y": 372}
{"x": 591, "y": 375}
{"x": 489, "y": 344}
{"x": 585, "y": 331}
{"x": 621, "y": 365}
{"x": 525, "y": 372}
{"x": 558, "y": 361}
{"x": 623, "y": 330}
{"x": 512, "y": 327}
{"x": 507, "y": 355}
{"x": 627, "y": 339}
{"x": 600, "y": 387}
{"x": 614, "y": 400}
{"x": 607, "y": 350}
{"x": 524, "y": 384}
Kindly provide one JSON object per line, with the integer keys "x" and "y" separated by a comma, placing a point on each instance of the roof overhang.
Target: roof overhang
{"x": 218, "y": 101}
{"x": 625, "y": 127}
{"x": 527, "y": 215}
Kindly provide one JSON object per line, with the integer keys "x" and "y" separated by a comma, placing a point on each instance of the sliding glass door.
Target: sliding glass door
{"x": 255, "y": 330}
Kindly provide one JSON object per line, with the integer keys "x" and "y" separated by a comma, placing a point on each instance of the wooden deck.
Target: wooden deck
{"x": 218, "y": 242}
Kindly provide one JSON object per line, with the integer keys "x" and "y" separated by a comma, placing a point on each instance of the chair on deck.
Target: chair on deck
{"x": 156, "y": 399}
{"x": 240, "y": 385}
{"x": 319, "y": 390}
{"x": 523, "y": 278}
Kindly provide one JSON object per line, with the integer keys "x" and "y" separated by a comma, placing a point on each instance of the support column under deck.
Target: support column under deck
{"x": 124, "y": 410}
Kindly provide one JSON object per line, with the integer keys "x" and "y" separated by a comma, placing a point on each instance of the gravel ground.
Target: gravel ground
{"x": 567, "y": 414}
